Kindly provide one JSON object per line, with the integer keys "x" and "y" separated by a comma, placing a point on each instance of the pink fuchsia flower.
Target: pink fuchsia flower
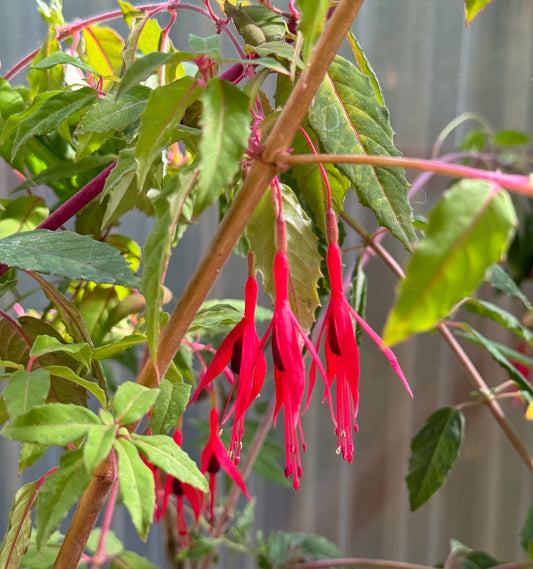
{"x": 213, "y": 457}
{"x": 241, "y": 350}
{"x": 289, "y": 368}
{"x": 342, "y": 354}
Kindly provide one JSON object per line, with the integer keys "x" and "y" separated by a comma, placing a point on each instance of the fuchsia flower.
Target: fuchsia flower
{"x": 181, "y": 490}
{"x": 342, "y": 355}
{"x": 215, "y": 456}
{"x": 241, "y": 347}
{"x": 289, "y": 369}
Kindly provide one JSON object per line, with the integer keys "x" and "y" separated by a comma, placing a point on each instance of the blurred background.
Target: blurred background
{"x": 431, "y": 70}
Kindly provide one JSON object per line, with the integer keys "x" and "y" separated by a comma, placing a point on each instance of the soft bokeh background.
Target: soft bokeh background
{"x": 431, "y": 69}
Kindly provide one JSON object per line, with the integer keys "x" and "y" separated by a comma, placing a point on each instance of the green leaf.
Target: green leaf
{"x": 498, "y": 315}
{"x": 433, "y": 452}
{"x": 51, "y": 114}
{"x": 43, "y": 344}
{"x": 364, "y": 66}
{"x": 526, "y": 535}
{"x": 62, "y": 58}
{"x": 51, "y": 424}
{"x": 156, "y": 252}
{"x": 164, "y": 453}
{"x": 111, "y": 350}
{"x": 498, "y": 356}
{"x": 68, "y": 374}
{"x": 312, "y": 18}
{"x": 21, "y": 214}
{"x": 132, "y": 401}
{"x": 60, "y": 491}
{"x": 160, "y": 119}
{"x": 349, "y": 119}
{"x": 256, "y": 24}
{"x": 217, "y": 316}
{"x": 46, "y": 556}
{"x": 110, "y": 114}
{"x": 25, "y": 390}
{"x": 479, "y": 560}
{"x": 4, "y": 415}
{"x": 66, "y": 254}
{"x": 103, "y": 47}
{"x": 98, "y": 444}
{"x": 472, "y": 8}
{"x": 131, "y": 560}
{"x": 468, "y": 230}
{"x": 30, "y": 453}
{"x": 49, "y": 79}
{"x": 226, "y": 127}
{"x": 498, "y": 278}
{"x": 136, "y": 483}
{"x": 17, "y": 536}
{"x": 284, "y": 549}
{"x": 209, "y": 46}
{"x": 510, "y": 138}
{"x": 304, "y": 259}
{"x": 169, "y": 406}
{"x": 113, "y": 545}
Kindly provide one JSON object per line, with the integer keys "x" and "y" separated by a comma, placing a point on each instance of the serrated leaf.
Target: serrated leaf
{"x": 51, "y": 424}
{"x": 62, "y": 58}
{"x": 468, "y": 230}
{"x": 111, "y": 114}
{"x": 217, "y": 316}
{"x": 103, "y": 47}
{"x": 110, "y": 350}
{"x": 365, "y": 67}
{"x": 60, "y": 491}
{"x": 21, "y": 214}
{"x": 132, "y": 401}
{"x": 51, "y": 114}
{"x": 433, "y": 451}
{"x": 498, "y": 315}
{"x": 256, "y": 24}
{"x": 66, "y": 254}
{"x": 287, "y": 548}
{"x": 312, "y": 19}
{"x": 43, "y": 344}
{"x": 164, "y": 453}
{"x": 498, "y": 278}
{"x": 98, "y": 444}
{"x": 159, "y": 121}
{"x": 472, "y": 8}
{"x": 304, "y": 259}
{"x": 226, "y": 127}
{"x": 17, "y": 537}
{"x": 25, "y": 390}
{"x": 49, "y": 79}
{"x": 348, "y": 118}
{"x": 169, "y": 406}
{"x": 156, "y": 252}
{"x": 136, "y": 483}
{"x": 498, "y": 356}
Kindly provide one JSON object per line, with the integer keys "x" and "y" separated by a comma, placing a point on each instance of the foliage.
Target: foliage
{"x": 113, "y": 123}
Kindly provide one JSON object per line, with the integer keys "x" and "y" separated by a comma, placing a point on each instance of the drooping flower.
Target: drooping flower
{"x": 342, "y": 354}
{"x": 213, "y": 457}
{"x": 289, "y": 368}
{"x": 241, "y": 350}
{"x": 180, "y": 490}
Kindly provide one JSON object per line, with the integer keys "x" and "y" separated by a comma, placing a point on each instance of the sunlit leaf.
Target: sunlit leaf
{"x": 110, "y": 350}
{"x": 48, "y": 345}
{"x": 312, "y": 18}
{"x": 103, "y": 47}
{"x": 468, "y": 230}
{"x": 433, "y": 452}
{"x": 472, "y": 8}
{"x": 26, "y": 389}
{"x": 98, "y": 444}
{"x": 62, "y": 58}
{"x": 41, "y": 81}
{"x": 132, "y": 401}
{"x": 349, "y": 119}
{"x": 21, "y": 214}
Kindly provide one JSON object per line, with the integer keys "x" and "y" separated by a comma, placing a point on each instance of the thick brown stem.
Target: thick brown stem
{"x": 257, "y": 181}
{"x": 87, "y": 513}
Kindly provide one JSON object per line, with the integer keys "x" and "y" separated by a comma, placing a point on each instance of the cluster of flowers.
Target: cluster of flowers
{"x": 242, "y": 351}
